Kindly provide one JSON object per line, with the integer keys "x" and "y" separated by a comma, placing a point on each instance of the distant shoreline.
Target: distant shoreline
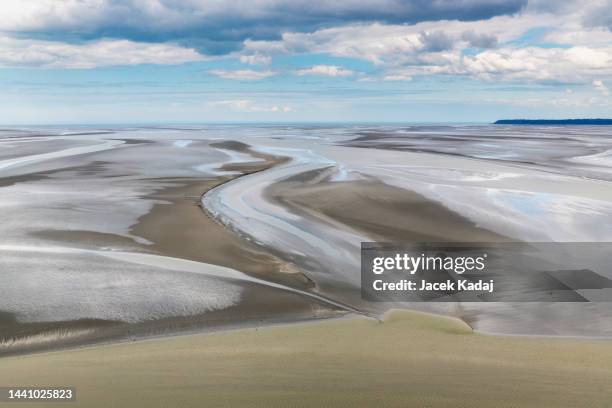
{"x": 553, "y": 122}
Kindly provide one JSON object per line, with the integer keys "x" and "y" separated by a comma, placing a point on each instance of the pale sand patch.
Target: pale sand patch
{"x": 411, "y": 359}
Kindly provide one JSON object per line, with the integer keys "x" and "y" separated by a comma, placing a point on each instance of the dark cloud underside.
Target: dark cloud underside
{"x": 217, "y": 27}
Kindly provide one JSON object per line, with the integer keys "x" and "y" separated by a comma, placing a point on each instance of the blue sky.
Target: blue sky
{"x": 198, "y": 61}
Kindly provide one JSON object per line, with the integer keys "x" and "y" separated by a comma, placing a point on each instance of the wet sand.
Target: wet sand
{"x": 383, "y": 212}
{"x": 259, "y": 306}
{"x": 181, "y": 229}
{"x": 178, "y": 227}
{"x": 410, "y": 359}
{"x": 298, "y": 228}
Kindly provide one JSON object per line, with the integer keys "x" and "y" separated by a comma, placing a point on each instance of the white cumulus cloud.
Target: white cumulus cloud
{"x": 397, "y": 76}
{"x": 326, "y": 70}
{"x": 575, "y": 64}
{"x": 243, "y": 74}
{"x": 256, "y": 59}
{"x": 52, "y": 54}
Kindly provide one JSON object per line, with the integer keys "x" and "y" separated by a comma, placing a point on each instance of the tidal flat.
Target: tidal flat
{"x": 124, "y": 233}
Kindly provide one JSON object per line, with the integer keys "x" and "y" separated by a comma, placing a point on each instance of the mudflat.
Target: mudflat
{"x": 381, "y": 211}
{"x": 176, "y": 226}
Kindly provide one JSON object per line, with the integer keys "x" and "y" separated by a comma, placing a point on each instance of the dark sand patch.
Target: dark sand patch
{"x": 40, "y": 336}
{"x": 179, "y": 228}
{"x": 7, "y": 319}
{"x": 378, "y": 210}
{"x": 237, "y": 146}
{"x": 95, "y": 167}
{"x": 91, "y": 239}
{"x": 129, "y": 141}
{"x": 259, "y": 305}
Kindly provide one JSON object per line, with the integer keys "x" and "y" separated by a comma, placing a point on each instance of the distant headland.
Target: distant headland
{"x": 553, "y": 122}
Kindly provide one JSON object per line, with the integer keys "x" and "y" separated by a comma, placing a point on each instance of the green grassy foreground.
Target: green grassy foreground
{"x": 411, "y": 359}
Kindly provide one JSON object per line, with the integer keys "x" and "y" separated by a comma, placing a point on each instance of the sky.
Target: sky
{"x": 207, "y": 61}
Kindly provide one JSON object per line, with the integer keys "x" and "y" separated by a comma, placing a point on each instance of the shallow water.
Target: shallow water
{"x": 526, "y": 183}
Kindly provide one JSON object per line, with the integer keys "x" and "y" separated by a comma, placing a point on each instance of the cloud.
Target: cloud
{"x": 490, "y": 50}
{"x": 373, "y": 42}
{"x": 52, "y": 54}
{"x": 530, "y": 64}
{"x": 326, "y": 70}
{"x": 220, "y": 26}
{"x": 256, "y": 59}
{"x": 597, "y": 13}
{"x": 575, "y": 64}
{"x": 397, "y": 76}
{"x": 243, "y": 74}
{"x": 396, "y": 44}
{"x": 479, "y": 40}
{"x": 246, "y": 105}
{"x": 591, "y": 37}
{"x": 435, "y": 41}
{"x": 601, "y": 87}
{"x": 490, "y": 40}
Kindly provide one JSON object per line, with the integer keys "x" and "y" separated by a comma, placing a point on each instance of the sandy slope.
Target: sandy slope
{"x": 411, "y": 359}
